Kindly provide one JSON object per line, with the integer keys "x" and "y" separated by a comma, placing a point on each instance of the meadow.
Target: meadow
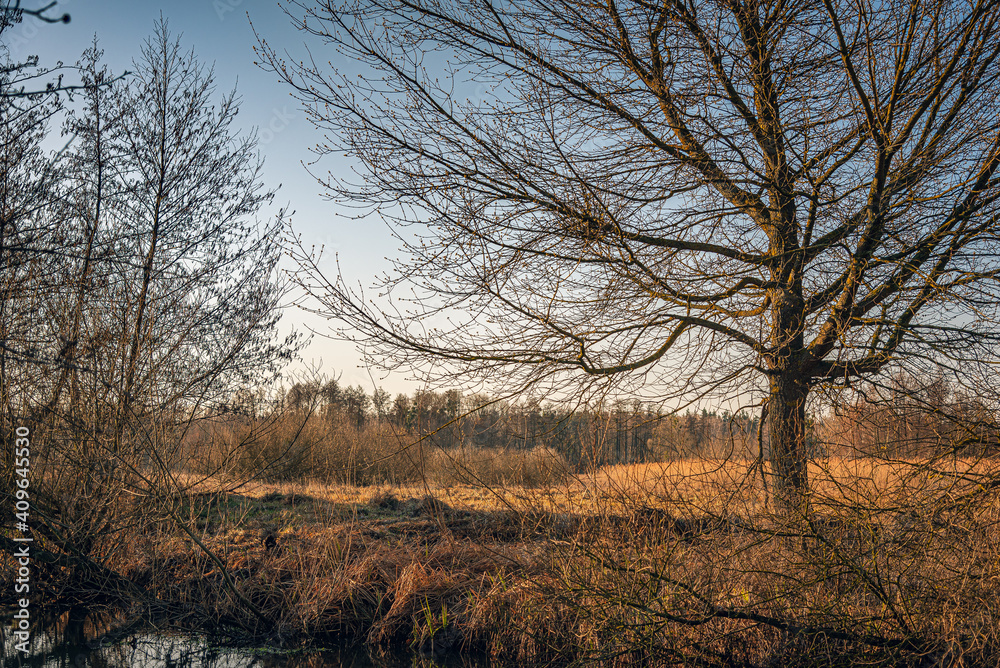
{"x": 678, "y": 563}
{"x": 303, "y": 529}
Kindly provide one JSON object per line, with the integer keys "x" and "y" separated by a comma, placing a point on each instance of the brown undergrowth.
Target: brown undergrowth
{"x": 677, "y": 564}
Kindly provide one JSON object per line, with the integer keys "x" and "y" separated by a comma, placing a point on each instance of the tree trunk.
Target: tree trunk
{"x": 787, "y": 428}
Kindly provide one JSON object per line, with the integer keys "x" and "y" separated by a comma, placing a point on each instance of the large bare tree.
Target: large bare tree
{"x": 776, "y": 195}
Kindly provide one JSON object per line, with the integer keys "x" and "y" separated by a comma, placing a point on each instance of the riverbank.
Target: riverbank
{"x": 620, "y": 568}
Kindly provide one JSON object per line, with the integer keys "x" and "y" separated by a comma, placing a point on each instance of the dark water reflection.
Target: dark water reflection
{"x": 78, "y": 639}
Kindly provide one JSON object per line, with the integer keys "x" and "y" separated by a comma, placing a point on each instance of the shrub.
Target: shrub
{"x": 536, "y": 467}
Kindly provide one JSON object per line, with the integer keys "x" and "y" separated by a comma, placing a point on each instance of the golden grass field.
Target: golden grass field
{"x": 732, "y": 486}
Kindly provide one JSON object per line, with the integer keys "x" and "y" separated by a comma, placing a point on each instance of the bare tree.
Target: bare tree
{"x": 148, "y": 299}
{"x": 700, "y": 197}
{"x": 34, "y": 245}
{"x": 28, "y": 182}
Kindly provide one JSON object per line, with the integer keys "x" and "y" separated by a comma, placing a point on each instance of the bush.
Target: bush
{"x": 295, "y": 447}
{"x": 536, "y": 467}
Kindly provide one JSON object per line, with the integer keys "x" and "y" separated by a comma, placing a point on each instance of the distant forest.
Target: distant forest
{"x": 907, "y": 420}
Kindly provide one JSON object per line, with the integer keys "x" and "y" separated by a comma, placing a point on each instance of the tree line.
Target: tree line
{"x": 908, "y": 418}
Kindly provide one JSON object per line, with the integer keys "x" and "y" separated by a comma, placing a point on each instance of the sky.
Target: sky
{"x": 221, "y": 33}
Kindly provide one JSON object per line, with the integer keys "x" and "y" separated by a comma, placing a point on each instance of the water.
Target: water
{"x": 79, "y": 639}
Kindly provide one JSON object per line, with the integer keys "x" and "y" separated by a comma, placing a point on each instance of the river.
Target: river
{"x": 78, "y": 639}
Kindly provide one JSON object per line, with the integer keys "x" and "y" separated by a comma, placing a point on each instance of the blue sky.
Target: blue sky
{"x": 220, "y": 33}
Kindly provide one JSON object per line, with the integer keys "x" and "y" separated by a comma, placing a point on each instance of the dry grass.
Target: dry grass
{"x": 686, "y": 488}
{"x": 655, "y": 564}
{"x": 737, "y": 485}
